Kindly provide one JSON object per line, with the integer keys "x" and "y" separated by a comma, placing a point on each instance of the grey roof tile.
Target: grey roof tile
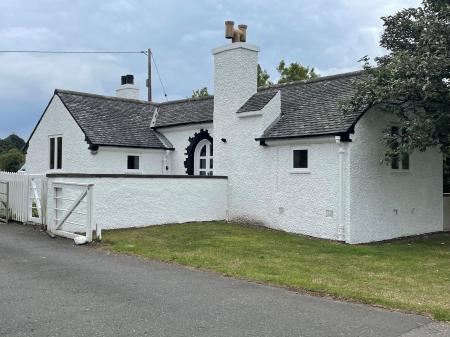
{"x": 310, "y": 108}
{"x": 112, "y": 121}
{"x": 187, "y": 111}
{"x": 257, "y": 101}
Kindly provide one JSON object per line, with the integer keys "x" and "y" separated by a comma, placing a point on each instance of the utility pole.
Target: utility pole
{"x": 149, "y": 78}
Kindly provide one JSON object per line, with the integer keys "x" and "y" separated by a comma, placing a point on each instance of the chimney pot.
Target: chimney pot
{"x": 129, "y": 79}
{"x": 127, "y": 88}
{"x": 229, "y": 29}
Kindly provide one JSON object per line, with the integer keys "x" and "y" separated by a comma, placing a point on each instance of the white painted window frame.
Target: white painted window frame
{"x": 306, "y": 170}
{"x": 55, "y": 152}
{"x": 400, "y": 170}
{"x": 208, "y": 157}
{"x": 135, "y": 171}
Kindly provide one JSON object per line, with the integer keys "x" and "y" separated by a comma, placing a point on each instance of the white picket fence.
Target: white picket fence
{"x": 26, "y": 196}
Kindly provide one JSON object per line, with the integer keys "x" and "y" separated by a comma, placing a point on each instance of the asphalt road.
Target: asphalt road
{"x": 49, "y": 287}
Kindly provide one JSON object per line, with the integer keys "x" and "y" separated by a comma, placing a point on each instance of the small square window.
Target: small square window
{"x": 133, "y": 163}
{"x": 300, "y": 159}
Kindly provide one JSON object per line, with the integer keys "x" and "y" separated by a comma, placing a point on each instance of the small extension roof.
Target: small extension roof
{"x": 309, "y": 108}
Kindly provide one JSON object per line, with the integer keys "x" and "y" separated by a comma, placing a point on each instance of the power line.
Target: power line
{"x": 159, "y": 76}
{"x": 93, "y": 52}
{"x": 71, "y": 52}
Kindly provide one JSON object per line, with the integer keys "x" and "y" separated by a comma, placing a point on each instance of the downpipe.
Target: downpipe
{"x": 341, "y": 226}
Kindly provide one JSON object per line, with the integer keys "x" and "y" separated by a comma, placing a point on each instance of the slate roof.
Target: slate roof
{"x": 187, "y": 111}
{"x": 258, "y": 101}
{"x": 112, "y": 121}
{"x": 310, "y": 108}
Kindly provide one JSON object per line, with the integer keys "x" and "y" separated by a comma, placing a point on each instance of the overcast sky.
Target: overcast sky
{"x": 331, "y": 35}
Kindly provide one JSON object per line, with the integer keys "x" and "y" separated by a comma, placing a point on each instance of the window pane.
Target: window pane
{"x": 203, "y": 173}
{"x": 59, "y": 153}
{"x": 212, "y": 152}
{"x": 405, "y": 161}
{"x": 203, "y": 151}
{"x": 300, "y": 158}
{"x": 211, "y": 163}
{"x": 210, "y": 173}
{"x": 395, "y": 163}
{"x": 395, "y": 130}
{"x": 133, "y": 163}
{"x": 52, "y": 153}
{"x": 202, "y": 163}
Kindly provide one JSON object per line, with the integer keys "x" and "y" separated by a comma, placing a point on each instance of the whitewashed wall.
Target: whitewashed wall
{"x": 76, "y": 156}
{"x": 179, "y": 138}
{"x": 262, "y": 187}
{"x": 447, "y": 212}
{"x": 377, "y": 191}
{"x": 123, "y": 202}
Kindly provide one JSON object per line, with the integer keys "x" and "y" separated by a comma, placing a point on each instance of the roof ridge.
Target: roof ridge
{"x": 79, "y": 93}
{"x": 187, "y": 100}
{"x": 314, "y": 80}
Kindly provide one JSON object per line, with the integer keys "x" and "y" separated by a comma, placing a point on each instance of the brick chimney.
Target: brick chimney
{"x": 127, "y": 88}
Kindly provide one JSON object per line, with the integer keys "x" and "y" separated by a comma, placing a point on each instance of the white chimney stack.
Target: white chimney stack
{"x": 235, "y": 81}
{"x": 128, "y": 89}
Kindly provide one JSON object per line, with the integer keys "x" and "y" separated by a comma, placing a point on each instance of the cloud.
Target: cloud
{"x": 329, "y": 35}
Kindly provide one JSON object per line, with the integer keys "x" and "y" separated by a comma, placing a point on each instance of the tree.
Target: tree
{"x": 295, "y": 72}
{"x": 11, "y": 142}
{"x": 413, "y": 80}
{"x": 263, "y": 77}
{"x": 12, "y": 160}
{"x": 202, "y": 92}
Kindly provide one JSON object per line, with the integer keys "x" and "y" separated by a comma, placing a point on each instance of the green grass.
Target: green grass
{"x": 411, "y": 276}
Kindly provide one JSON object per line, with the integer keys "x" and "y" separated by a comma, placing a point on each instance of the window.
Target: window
{"x": 300, "y": 160}
{"x": 55, "y": 153}
{"x": 400, "y": 161}
{"x": 133, "y": 163}
{"x": 204, "y": 163}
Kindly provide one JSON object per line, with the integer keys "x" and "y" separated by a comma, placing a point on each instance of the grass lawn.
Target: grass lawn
{"x": 412, "y": 276}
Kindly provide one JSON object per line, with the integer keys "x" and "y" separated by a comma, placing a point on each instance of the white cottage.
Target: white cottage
{"x": 293, "y": 159}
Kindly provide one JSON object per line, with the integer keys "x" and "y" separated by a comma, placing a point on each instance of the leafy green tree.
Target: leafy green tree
{"x": 202, "y": 92}
{"x": 12, "y": 160}
{"x": 295, "y": 72}
{"x": 11, "y": 142}
{"x": 263, "y": 77}
{"x": 412, "y": 81}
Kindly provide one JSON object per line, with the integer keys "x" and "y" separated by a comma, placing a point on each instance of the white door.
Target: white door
{"x": 203, "y": 164}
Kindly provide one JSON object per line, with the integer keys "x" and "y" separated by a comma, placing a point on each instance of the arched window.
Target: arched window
{"x": 203, "y": 158}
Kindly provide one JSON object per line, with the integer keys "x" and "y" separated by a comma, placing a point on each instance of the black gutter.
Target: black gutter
{"x": 345, "y": 135}
{"x": 181, "y": 124}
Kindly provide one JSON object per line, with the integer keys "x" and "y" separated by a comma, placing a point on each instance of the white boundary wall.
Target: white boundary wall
{"x": 136, "y": 201}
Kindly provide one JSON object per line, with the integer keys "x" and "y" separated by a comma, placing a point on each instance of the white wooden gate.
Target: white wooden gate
{"x": 4, "y": 207}
{"x": 26, "y": 196}
{"x": 73, "y": 211}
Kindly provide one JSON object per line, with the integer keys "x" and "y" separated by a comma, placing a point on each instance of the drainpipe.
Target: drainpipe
{"x": 165, "y": 167}
{"x": 341, "y": 228}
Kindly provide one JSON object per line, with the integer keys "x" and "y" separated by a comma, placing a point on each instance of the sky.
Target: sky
{"x": 330, "y": 35}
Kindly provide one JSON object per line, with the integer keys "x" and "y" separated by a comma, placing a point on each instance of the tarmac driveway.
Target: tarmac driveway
{"x": 49, "y": 287}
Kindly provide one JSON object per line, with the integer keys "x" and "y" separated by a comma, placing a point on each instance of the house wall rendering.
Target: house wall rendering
{"x": 387, "y": 203}
{"x": 263, "y": 187}
{"x": 179, "y": 138}
{"x": 124, "y": 202}
{"x": 76, "y": 157}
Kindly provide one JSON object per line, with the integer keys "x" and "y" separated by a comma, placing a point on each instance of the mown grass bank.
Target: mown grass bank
{"x": 409, "y": 275}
